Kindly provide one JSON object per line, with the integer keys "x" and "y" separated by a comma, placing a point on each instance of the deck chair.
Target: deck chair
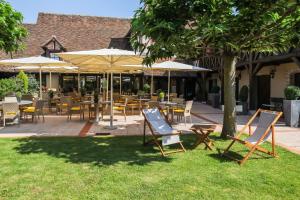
{"x": 265, "y": 128}
{"x": 161, "y": 129}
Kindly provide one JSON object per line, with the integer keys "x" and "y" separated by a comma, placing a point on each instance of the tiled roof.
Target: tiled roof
{"x": 74, "y": 32}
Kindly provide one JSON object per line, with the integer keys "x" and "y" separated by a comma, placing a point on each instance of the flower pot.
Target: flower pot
{"x": 214, "y": 100}
{"x": 291, "y": 110}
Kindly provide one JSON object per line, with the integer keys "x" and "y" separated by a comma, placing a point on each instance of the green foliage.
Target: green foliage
{"x": 12, "y": 31}
{"x": 292, "y": 92}
{"x": 83, "y": 91}
{"x": 189, "y": 28}
{"x": 114, "y": 167}
{"x": 161, "y": 95}
{"x": 50, "y": 94}
{"x": 215, "y": 89}
{"x": 146, "y": 88}
{"x": 96, "y": 96}
{"x": 7, "y": 85}
{"x": 21, "y": 84}
{"x": 23, "y": 79}
{"x": 244, "y": 93}
{"x": 33, "y": 85}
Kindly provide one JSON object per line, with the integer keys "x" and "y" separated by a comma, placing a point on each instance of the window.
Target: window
{"x": 53, "y": 56}
{"x": 297, "y": 79}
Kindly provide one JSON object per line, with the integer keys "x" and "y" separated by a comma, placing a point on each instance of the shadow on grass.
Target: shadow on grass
{"x": 237, "y": 155}
{"x": 99, "y": 151}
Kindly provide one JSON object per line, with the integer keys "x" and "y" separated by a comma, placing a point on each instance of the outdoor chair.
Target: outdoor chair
{"x": 153, "y": 104}
{"x": 133, "y": 104}
{"x": 35, "y": 111}
{"x": 75, "y": 108}
{"x": 160, "y": 128}
{"x": 10, "y": 112}
{"x": 265, "y": 128}
{"x": 63, "y": 104}
{"x": 186, "y": 112}
{"x": 121, "y": 107}
{"x": 10, "y": 99}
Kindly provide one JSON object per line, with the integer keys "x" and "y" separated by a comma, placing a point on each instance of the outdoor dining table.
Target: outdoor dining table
{"x": 21, "y": 103}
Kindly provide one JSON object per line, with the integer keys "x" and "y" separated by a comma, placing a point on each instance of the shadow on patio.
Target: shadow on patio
{"x": 99, "y": 151}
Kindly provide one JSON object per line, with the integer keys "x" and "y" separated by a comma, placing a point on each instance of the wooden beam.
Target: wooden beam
{"x": 296, "y": 61}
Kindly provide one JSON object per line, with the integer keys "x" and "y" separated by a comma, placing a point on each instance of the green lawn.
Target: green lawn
{"x": 121, "y": 168}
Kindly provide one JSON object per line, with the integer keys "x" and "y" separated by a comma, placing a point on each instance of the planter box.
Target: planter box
{"x": 238, "y": 108}
{"x": 291, "y": 110}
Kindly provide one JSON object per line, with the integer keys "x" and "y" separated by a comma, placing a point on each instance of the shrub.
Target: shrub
{"x": 33, "y": 85}
{"x": 215, "y": 89}
{"x": 50, "y": 94}
{"x": 22, "y": 80}
{"x": 7, "y": 85}
{"x": 292, "y": 92}
{"x": 146, "y": 88}
{"x": 244, "y": 93}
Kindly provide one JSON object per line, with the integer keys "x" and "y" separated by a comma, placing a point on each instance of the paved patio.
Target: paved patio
{"x": 56, "y": 125}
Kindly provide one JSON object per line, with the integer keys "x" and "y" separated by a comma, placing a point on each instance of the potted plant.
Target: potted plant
{"x": 82, "y": 91}
{"x": 19, "y": 96}
{"x": 161, "y": 96}
{"x": 50, "y": 94}
{"x": 214, "y": 97}
{"x": 244, "y": 99}
{"x": 291, "y": 106}
{"x": 146, "y": 88}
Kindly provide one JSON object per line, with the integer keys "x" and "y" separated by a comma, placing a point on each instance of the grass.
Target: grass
{"x": 121, "y": 168}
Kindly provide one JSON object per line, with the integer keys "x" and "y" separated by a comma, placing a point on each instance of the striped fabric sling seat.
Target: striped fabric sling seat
{"x": 264, "y": 129}
{"x": 161, "y": 128}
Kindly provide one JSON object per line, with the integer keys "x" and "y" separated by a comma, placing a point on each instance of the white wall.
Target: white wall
{"x": 54, "y": 82}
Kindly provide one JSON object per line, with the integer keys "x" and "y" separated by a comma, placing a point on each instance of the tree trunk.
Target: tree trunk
{"x": 229, "y": 121}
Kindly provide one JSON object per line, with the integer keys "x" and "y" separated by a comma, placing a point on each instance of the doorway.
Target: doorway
{"x": 263, "y": 90}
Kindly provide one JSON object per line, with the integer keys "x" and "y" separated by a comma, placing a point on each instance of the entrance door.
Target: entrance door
{"x": 297, "y": 79}
{"x": 263, "y": 90}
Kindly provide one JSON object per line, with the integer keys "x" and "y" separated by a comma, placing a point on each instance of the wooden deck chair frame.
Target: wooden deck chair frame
{"x": 254, "y": 147}
{"x": 156, "y": 136}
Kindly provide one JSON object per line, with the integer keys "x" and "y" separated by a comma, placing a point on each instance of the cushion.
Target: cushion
{"x": 76, "y": 108}
{"x": 29, "y": 109}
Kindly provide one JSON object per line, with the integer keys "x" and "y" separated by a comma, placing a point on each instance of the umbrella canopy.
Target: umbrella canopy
{"x": 37, "y": 62}
{"x": 174, "y": 66}
{"x": 33, "y": 61}
{"x": 104, "y": 60}
{"x": 108, "y": 60}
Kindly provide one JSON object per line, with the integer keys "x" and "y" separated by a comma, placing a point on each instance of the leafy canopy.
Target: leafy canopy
{"x": 11, "y": 30}
{"x": 187, "y": 28}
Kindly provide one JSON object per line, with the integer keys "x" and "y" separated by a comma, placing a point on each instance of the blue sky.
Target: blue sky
{"x": 109, "y": 8}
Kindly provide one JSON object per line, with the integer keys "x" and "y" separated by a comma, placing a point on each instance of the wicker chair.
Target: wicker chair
{"x": 10, "y": 112}
{"x": 35, "y": 111}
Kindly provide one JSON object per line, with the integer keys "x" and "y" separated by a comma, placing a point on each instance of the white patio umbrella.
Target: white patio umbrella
{"x": 37, "y": 62}
{"x": 174, "y": 66}
{"x": 49, "y": 69}
{"x": 104, "y": 60}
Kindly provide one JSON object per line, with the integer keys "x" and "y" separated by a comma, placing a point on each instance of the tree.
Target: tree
{"x": 191, "y": 28}
{"x": 11, "y": 30}
{"x": 23, "y": 79}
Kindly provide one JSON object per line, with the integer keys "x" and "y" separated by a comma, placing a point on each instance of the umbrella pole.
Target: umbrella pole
{"x": 151, "y": 83}
{"x": 41, "y": 92}
{"x": 78, "y": 82}
{"x": 111, "y": 100}
{"x": 50, "y": 80}
{"x": 120, "y": 84}
{"x": 107, "y": 78}
{"x": 169, "y": 73}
